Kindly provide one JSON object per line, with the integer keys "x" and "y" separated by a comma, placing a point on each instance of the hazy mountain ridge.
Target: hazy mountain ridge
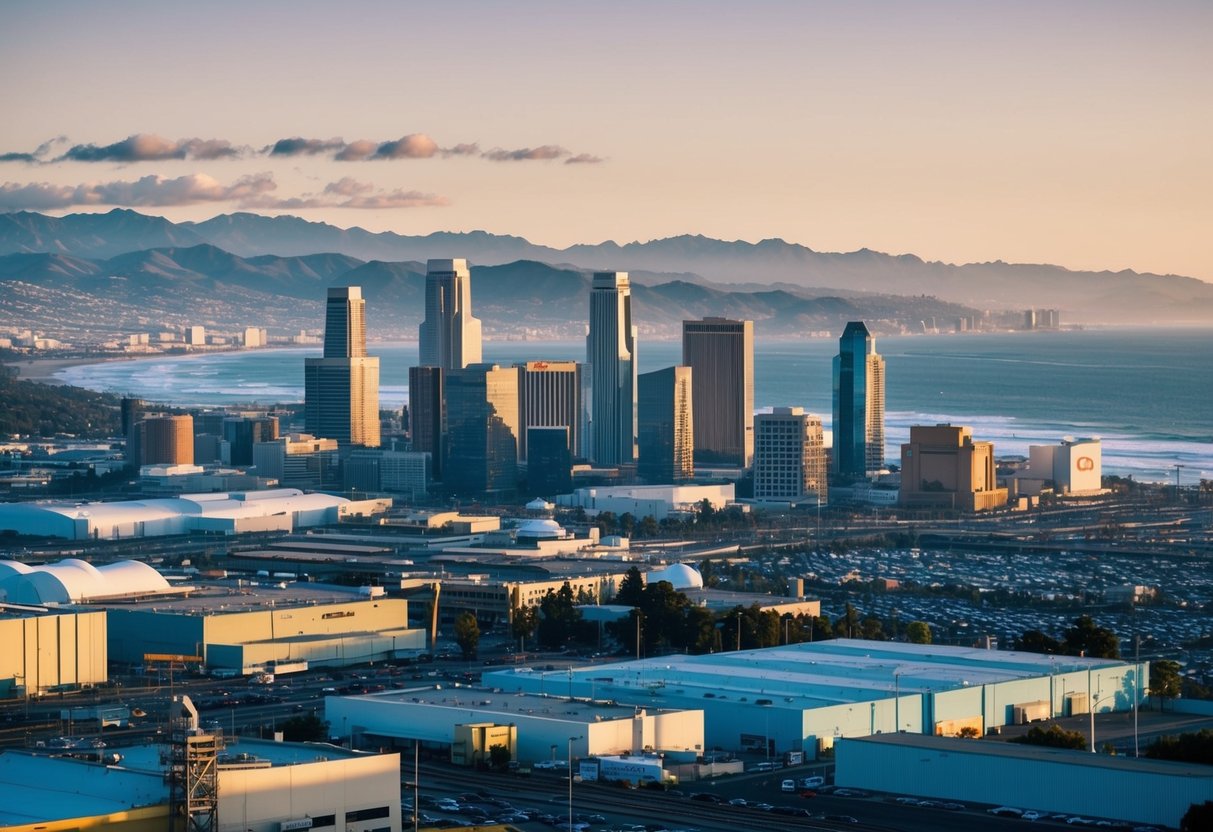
{"x": 1124, "y": 297}
{"x": 170, "y": 288}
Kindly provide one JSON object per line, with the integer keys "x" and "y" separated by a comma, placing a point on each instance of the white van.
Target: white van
{"x": 788, "y": 786}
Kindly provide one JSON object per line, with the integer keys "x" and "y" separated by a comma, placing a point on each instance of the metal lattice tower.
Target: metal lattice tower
{"x": 193, "y": 771}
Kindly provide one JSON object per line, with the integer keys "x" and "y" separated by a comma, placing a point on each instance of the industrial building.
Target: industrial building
{"x": 1074, "y": 467}
{"x": 74, "y": 581}
{"x": 281, "y": 509}
{"x": 1096, "y": 786}
{"x": 656, "y": 501}
{"x": 51, "y": 651}
{"x": 262, "y": 786}
{"x": 802, "y": 697}
{"x": 548, "y": 718}
{"x": 245, "y": 633}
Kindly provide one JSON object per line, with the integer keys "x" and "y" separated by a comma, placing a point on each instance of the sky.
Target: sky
{"x": 1075, "y": 133}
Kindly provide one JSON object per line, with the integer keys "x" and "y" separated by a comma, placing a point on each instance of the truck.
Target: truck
{"x": 635, "y": 769}
{"x": 112, "y": 716}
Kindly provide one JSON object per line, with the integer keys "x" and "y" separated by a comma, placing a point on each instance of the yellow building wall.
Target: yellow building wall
{"x": 145, "y": 819}
{"x": 46, "y": 651}
{"x": 259, "y": 799}
{"x": 322, "y": 619}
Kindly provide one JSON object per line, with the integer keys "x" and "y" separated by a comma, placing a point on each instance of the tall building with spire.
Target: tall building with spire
{"x": 341, "y": 389}
{"x": 858, "y": 404}
{"x": 610, "y": 354}
{"x": 720, "y": 352}
{"x": 449, "y": 335}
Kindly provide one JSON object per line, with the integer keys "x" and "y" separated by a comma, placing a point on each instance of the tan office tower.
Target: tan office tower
{"x": 789, "y": 456}
{"x": 166, "y": 440}
{"x": 549, "y": 396}
{"x": 942, "y": 467}
{"x": 449, "y": 336}
{"x": 720, "y": 352}
{"x": 341, "y": 390}
{"x": 666, "y": 420}
{"x": 610, "y": 355}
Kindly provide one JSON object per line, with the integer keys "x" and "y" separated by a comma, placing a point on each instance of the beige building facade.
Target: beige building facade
{"x": 942, "y": 466}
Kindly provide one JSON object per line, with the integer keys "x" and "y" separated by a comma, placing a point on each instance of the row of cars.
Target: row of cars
{"x": 1069, "y": 820}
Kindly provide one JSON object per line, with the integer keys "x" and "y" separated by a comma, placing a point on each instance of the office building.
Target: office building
{"x": 299, "y": 460}
{"x": 375, "y": 470}
{"x": 166, "y": 440}
{"x": 942, "y": 467}
{"x": 611, "y": 359}
{"x": 549, "y": 469}
{"x": 449, "y": 335}
{"x": 195, "y": 336}
{"x": 858, "y": 404}
{"x": 1074, "y": 467}
{"x": 341, "y": 390}
{"x": 789, "y": 456}
{"x": 240, "y": 433}
{"x": 666, "y": 425}
{"x": 131, "y": 411}
{"x": 427, "y": 414}
{"x": 481, "y": 430}
{"x": 549, "y": 395}
{"x": 254, "y": 337}
{"x": 720, "y": 353}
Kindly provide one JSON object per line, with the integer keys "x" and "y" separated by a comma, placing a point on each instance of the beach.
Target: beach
{"x": 43, "y": 370}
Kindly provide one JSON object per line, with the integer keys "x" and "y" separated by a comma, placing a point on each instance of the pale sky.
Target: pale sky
{"x": 1076, "y": 133}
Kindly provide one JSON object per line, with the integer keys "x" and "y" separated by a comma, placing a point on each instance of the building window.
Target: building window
{"x": 367, "y": 814}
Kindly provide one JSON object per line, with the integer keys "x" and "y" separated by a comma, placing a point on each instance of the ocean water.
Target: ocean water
{"x": 1147, "y": 393}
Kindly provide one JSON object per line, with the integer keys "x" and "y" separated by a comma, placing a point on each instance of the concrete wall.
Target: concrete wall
{"x": 331, "y": 651}
{"x": 47, "y": 651}
{"x": 258, "y": 800}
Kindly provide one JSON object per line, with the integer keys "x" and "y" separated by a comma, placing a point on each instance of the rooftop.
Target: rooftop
{"x": 480, "y": 703}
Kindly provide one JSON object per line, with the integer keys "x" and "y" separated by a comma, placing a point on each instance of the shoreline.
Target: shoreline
{"x": 43, "y": 370}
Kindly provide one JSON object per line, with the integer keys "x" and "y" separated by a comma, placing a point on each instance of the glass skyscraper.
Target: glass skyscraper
{"x": 858, "y": 404}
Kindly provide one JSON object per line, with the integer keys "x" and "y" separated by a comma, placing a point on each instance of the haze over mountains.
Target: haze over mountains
{"x": 786, "y": 287}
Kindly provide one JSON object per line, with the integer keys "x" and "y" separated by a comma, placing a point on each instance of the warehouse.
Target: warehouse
{"x": 1025, "y": 777}
{"x": 74, "y": 581}
{"x": 44, "y": 651}
{"x": 802, "y": 697}
{"x": 246, "y": 629}
{"x": 542, "y": 723}
{"x": 262, "y": 786}
{"x": 280, "y": 509}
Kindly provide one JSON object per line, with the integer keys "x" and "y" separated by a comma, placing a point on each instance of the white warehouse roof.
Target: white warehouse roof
{"x": 74, "y": 581}
{"x": 679, "y": 575}
{"x": 272, "y": 509}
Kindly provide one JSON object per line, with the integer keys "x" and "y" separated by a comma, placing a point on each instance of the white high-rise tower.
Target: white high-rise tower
{"x": 449, "y": 335}
{"x": 610, "y": 353}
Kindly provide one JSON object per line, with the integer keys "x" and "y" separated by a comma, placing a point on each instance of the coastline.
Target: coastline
{"x": 43, "y": 370}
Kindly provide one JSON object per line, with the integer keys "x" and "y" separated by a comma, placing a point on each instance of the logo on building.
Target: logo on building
{"x": 1085, "y": 463}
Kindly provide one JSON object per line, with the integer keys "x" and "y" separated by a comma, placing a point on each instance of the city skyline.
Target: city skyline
{"x": 1021, "y": 131}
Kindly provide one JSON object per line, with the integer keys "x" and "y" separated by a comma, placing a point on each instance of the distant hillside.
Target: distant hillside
{"x": 33, "y": 409}
{"x": 81, "y": 300}
{"x": 1113, "y": 297}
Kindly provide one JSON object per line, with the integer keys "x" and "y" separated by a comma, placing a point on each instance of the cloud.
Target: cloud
{"x": 547, "y": 151}
{"x": 147, "y": 191}
{"x": 146, "y": 147}
{"x": 303, "y": 147}
{"x": 36, "y": 155}
{"x": 352, "y": 193}
{"x": 472, "y": 149}
{"x": 413, "y": 146}
{"x": 357, "y": 151}
{"x": 583, "y": 159}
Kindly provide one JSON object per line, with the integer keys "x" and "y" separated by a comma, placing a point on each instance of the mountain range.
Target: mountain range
{"x": 287, "y": 254}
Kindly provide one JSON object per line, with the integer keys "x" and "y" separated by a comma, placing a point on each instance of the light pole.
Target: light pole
{"x": 571, "y": 740}
{"x": 1091, "y": 713}
{"x": 896, "y": 701}
{"x": 739, "y": 631}
{"x": 416, "y": 783}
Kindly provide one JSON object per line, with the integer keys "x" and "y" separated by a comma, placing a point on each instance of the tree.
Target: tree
{"x": 304, "y": 728}
{"x": 968, "y": 732}
{"x": 1087, "y": 639}
{"x": 873, "y": 628}
{"x": 560, "y": 621}
{"x": 847, "y": 625}
{"x": 1053, "y": 737}
{"x": 1034, "y": 641}
{"x": 1198, "y": 817}
{"x": 918, "y": 632}
{"x": 631, "y": 588}
{"x": 523, "y": 623}
{"x": 499, "y": 756}
{"x": 1165, "y": 681}
{"x": 1193, "y": 747}
{"x": 467, "y": 634}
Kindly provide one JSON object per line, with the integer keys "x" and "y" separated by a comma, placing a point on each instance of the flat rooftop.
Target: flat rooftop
{"x": 812, "y": 675}
{"x": 226, "y": 597}
{"x": 486, "y": 703}
{"x": 1038, "y": 754}
{"x": 39, "y": 789}
{"x": 146, "y": 758}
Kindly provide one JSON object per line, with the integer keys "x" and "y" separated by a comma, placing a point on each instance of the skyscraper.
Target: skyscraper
{"x": 666, "y": 425}
{"x": 858, "y": 404}
{"x": 427, "y": 414}
{"x": 611, "y": 358}
{"x": 449, "y": 335}
{"x": 549, "y": 395}
{"x": 789, "y": 455}
{"x": 481, "y": 429}
{"x": 341, "y": 390}
{"x": 720, "y": 352}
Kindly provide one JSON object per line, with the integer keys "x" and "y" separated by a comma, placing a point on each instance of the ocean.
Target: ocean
{"x": 1148, "y": 393}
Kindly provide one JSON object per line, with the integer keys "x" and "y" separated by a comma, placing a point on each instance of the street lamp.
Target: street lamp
{"x": 1091, "y": 713}
{"x": 571, "y": 740}
{"x": 739, "y": 631}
